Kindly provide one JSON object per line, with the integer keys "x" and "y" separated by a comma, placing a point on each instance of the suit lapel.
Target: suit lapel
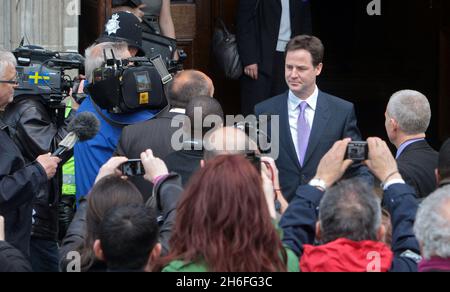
{"x": 286, "y": 137}
{"x": 321, "y": 118}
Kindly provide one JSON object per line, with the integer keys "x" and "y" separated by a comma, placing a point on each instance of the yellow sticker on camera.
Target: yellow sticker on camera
{"x": 144, "y": 98}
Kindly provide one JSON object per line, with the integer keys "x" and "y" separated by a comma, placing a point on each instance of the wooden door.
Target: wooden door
{"x": 92, "y": 20}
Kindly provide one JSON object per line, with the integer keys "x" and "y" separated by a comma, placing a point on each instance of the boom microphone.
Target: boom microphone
{"x": 84, "y": 126}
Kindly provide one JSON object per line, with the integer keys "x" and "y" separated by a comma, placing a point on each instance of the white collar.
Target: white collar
{"x": 294, "y": 101}
{"x": 178, "y": 111}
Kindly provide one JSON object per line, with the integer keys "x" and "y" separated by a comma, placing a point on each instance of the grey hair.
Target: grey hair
{"x": 95, "y": 57}
{"x": 350, "y": 210}
{"x": 6, "y": 59}
{"x": 411, "y": 110}
{"x": 432, "y": 226}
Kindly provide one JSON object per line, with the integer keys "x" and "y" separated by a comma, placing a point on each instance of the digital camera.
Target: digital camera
{"x": 357, "y": 151}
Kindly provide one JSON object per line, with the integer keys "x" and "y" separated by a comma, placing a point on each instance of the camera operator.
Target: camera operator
{"x": 24, "y": 175}
{"x": 91, "y": 155}
{"x": 36, "y": 130}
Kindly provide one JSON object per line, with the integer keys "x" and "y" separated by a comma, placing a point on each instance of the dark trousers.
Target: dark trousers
{"x": 256, "y": 91}
{"x": 44, "y": 255}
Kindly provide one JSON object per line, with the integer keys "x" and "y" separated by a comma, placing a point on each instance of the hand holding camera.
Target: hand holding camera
{"x": 111, "y": 168}
{"x": 334, "y": 164}
{"x": 381, "y": 162}
{"x": 154, "y": 167}
{"x": 357, "y": 151}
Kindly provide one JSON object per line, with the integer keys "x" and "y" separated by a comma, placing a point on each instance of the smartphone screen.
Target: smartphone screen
{"x": 133, "y": 167}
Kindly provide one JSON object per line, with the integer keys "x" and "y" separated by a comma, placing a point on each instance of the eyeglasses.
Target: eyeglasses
{"x": 13, "y": 82}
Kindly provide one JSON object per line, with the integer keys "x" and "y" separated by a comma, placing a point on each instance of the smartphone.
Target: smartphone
{"x": 133, "y": 167}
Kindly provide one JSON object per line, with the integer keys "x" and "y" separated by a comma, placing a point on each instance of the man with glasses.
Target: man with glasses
{"x": 19, "y": 181}
{"x": 36, "y": 130}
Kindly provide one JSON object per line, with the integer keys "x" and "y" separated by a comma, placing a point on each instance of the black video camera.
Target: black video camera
{"x": 126, "y": 86}
{"x": 42, "y": 72}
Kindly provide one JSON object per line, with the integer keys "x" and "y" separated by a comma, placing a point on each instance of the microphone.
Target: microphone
{"x": 84, "y": 126}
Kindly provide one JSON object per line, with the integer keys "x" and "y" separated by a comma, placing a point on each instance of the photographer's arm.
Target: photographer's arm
{"x": 167, "y": 191}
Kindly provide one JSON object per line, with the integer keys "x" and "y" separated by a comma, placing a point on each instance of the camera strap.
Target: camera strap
{"x": 158, "y": 63}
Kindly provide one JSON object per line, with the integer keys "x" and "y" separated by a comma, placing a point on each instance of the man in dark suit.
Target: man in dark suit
{"x": 264, "y": 28}
{"x": 408, "y": 116}
{"x": 187, "y": 161}
{"x": 156, "y": 134}
{"x": 311, "y": 121}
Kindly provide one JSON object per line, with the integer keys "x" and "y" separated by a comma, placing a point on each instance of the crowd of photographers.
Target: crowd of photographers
{"x": 216, "y": 204}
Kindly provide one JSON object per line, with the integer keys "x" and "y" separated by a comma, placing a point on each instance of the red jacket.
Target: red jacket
{"x": 344, "y": 255}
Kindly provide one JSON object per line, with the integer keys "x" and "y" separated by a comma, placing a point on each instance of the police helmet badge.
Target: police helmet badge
{"x": 113, "y": 25}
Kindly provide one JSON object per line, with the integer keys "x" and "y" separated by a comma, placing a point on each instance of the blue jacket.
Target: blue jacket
{"x": 299, "y": 223}
{"x": 92, "y": 154}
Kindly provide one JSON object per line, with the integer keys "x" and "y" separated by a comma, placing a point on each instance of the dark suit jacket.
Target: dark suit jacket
{"x": 417, "y": 165}
{"x": 185, "y": 163}
{"x": 258, "y": 26}
{"x": 334, "y": 120}
{"x": 155, "y": 134}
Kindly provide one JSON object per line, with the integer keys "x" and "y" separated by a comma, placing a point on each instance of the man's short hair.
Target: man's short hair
{"x": 127, "y": 235}
{"x": 432, "y": 226}
{"x": 6, "y": 59}
{"x": 208, "y": 107}
{"x": 187, "y": 85}
{"x": 444, "y": 160}
{"x": 308, "y": 43}
{"x": 95, "y": 57}
{"x": 350, "y": 210}
{"x": 411, "y": 110}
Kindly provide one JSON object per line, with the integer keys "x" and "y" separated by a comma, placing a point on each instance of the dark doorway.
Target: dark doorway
{"x": 368, "y": 58}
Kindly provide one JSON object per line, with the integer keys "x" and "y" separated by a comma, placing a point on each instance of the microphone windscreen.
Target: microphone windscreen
{"x": 85, "y": 125}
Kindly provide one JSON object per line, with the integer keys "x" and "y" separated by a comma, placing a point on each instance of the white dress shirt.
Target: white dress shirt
{"x": 285, "y": 32}
{"x": 294, "y": 113}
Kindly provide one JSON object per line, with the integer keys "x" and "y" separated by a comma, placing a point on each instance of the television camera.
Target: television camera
{"x": 42, "y": 73}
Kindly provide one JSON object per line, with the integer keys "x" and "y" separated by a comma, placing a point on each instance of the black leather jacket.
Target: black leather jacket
{"x": 35, "y": 131}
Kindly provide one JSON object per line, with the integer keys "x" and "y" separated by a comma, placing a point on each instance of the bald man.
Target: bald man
{"x": 227, "y": 141}
{"x": 156, "y": 134}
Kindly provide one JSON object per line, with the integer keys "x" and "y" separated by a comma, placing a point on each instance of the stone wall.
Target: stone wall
{"x": 52, "y": 24}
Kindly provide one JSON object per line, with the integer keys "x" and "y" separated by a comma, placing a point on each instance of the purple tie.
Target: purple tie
{"x": 304, "y": 131}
